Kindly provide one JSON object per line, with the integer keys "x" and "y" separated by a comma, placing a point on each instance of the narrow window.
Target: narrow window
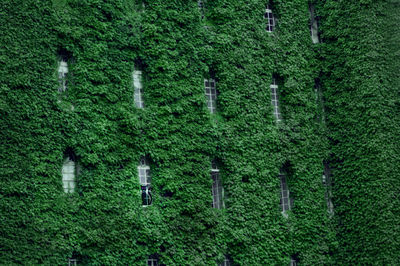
{"x": 138, "y": 88}
{"x": 217, "y": 190}
{"x": 275, "y": 100}
{"x": 285, "y": 198}
{"x": 152, "y": 260}
{"x": 294, "y": 261}
{"x": 69, "y": 172}
{"x": 62, "y": 75}
{"x": 200, "y": 4}
{"x": 64, "y": 58}
{"x": 269, "y": 16}
{"x": 327, "y": 181}
{"x": 72, "y": 262}
{"x": 314, "y": 25}
{"x": 226, "y": 262}
{"x": 145, "y": 182}
{"x": 211, "y": 95}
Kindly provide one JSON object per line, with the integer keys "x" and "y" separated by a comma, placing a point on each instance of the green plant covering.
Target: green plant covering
{"x": 352, "y": 122}
{"x": 361, "y": 82}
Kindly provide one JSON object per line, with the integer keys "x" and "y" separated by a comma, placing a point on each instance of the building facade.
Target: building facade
{"x": 200, "y": 132}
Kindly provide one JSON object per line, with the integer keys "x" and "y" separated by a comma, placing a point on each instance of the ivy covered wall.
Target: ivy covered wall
{"x": 177, "y": 44}
{"x": 362, "y": 102}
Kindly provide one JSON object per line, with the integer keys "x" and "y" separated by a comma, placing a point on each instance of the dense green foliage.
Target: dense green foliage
{"x": 361, "y": 81}
{"x": 104, "y": 223}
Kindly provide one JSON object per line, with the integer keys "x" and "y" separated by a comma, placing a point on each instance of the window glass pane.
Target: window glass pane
{"x": 137, "y": 84}
{"x": 210, "y": 93}
{"x": 285, "y": 200}
{"x": 148, "y": 176}
{"x": 68, "y": 175}
{"x": 146, "y": 197}
{"x": 142, "y": 172}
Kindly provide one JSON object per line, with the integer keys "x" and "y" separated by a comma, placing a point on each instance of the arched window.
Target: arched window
{"x": 73, "y": 260}
{"x": 294, "y": 260}
{"x": 69, "y": 172}
{"x": 226, "y": 262}
{"x": 327, "y": 181}
{"x": 269, "y": 16}
{"x": 152, "y": 260}
{"x": 217, "y": 189}
{"x": 138, "y": 87}
{"x": 62, "y": 75}
{"x": 286, "y": 199}
{"x": 64, "y": 57}
{"x": 275, "y": 98}
{"x": 200, "y": 4}
{"x": 145, "y": 182}
{"x": 314, "y": 25}
{"x": 211, "y": 94}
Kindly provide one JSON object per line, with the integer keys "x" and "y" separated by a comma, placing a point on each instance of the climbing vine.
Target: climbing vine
{"x": 345, "y": 122}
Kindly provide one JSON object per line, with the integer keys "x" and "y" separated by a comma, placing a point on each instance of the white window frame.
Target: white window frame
{"x": 285, "y": 200}
{"x": 138, "y": 88}
{"x": 328, "y": 193}
{"x": 144, "y": 172}
{"x": 217, "y": 189}
{"x": 293, "y": 262}
{"x": 271, "y": 21}
{"x": 152, "y": 262}
{"x": 144, "y": 180}
{"x": 62, "y": 75}
{"x": 313, "y": 25}
{"x": 327, "y": 182}
{"x": 275, "y": 100}
{"x": 211, "y": 94}
{"x": 68, "y": 172}
{"x": 72, "y": 262}
{"x": 200, "y": 4}
{"x": 225, "y": 262}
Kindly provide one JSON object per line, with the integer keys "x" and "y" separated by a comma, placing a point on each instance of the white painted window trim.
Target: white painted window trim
{"x": 271, "y": 21}
{"x": 313, "y": 25}
{"x": 144, "y": 175}
{"x": 144, "y": 179}
{"x": 293, "y": 262}
{"x": 275, "y": 100}
{"x": 211, "y": 94}
{"x": 68, "y": 173}
{"x": 138, "y": 88}
{"x": 62, "y": 76}
{"x": 72, "y": 262}
{"x": 284, "y": 194}
{"x": 217, "y": 189}
{"x": 225, "y": 262}
{"x": 152, "y": 262}
{"x": 327, "y": 182}
{"x": 200, "y": 4}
